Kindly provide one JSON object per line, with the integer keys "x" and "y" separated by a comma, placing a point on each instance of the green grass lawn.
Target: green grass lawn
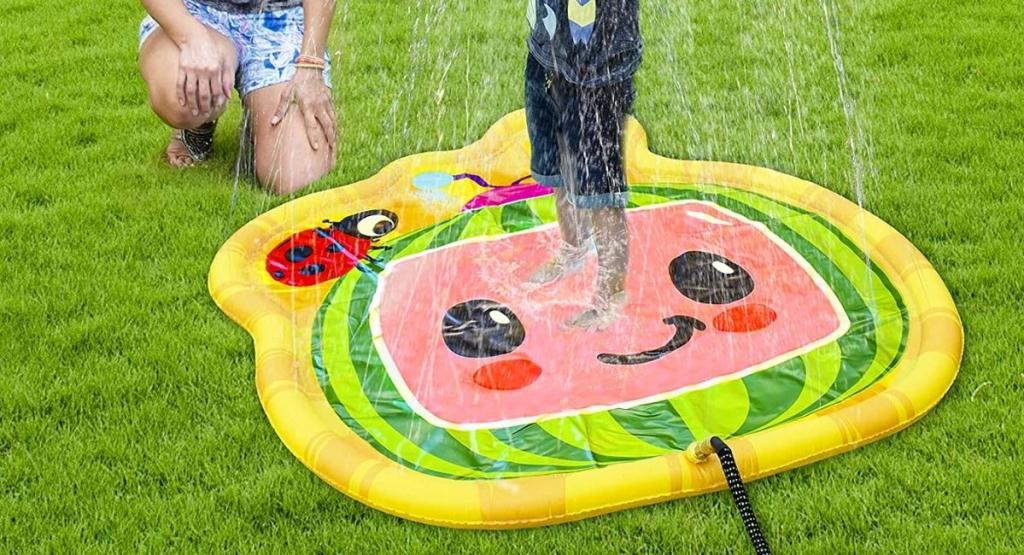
{"x": 128, "y": 415}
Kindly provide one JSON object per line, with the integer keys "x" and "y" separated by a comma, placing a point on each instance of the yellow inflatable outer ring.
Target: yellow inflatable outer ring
{"x": 280, "y": 320}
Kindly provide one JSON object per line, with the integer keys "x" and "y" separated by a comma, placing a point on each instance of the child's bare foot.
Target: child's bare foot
{"x": 601, "y": 315}
{"x": 567, "y": 259}
{"x": 189, "y": 146}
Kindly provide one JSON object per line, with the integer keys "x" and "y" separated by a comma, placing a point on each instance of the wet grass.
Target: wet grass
{"x": 128, "y": 417}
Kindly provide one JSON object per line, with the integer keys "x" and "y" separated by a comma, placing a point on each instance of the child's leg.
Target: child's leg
{"x": 612, "y": 240}
{"x": 601, "y": 191}
{"x": 570, "y": 256}
{"x": 549, "y": 166}
{"x": 572, "y": 222}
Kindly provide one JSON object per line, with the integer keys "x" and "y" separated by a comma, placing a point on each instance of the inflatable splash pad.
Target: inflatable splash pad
{"x": 401, "y": 355}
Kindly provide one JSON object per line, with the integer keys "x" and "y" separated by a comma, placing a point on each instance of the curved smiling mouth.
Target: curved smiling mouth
{"x": 685, "y": 327}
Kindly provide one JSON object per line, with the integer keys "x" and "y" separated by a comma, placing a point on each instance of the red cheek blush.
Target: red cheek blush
{"x": 507, "y": 375}
{"x": 745, "y": 319}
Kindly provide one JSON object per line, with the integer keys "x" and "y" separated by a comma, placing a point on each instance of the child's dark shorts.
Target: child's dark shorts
{"x": 576, "y": 134}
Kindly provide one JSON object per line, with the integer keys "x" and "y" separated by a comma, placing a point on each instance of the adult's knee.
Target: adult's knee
{"x": 166, "y": 107}
{"x": 284, "y": 183}
{"x": 284, "y": 178}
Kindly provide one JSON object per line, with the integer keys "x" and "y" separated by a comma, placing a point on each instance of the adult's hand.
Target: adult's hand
{"x": 205, "y": 73}
{"x": 308, "y": 91}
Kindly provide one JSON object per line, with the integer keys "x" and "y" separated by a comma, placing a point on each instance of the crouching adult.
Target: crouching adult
{"x": 192, "y": 53}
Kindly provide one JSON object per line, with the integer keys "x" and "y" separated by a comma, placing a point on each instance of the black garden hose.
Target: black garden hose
{"x": 700, "y": 452}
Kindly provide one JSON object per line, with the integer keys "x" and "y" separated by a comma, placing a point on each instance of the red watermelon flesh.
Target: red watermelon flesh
{"x": 556, "y": 371}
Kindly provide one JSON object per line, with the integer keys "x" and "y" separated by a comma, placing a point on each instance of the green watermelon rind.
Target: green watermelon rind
{"x": 371, "y": 405}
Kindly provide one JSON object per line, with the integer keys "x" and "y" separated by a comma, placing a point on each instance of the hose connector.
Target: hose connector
{"x": 700, "y": 451}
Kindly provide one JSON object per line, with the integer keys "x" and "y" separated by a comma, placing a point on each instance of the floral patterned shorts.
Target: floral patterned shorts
{"x": 267, "y": 43}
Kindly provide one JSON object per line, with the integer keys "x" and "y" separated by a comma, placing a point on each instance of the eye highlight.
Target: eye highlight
{"x": 371, "y": 224}
{"x": 482, "y": 328}
{"x": 710, "y": 278}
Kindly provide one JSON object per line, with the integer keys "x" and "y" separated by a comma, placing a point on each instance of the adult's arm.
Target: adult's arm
{"x": 205, "y": 75}
{"x": 307, "y": 89}
{"x": 318, "y": 15}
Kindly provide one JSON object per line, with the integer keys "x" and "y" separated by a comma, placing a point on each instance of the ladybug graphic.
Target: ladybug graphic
{"x": 314, "y": 256}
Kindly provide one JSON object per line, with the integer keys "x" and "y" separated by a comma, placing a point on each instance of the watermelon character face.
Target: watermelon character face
{"x": 318, "y": 255}
{"x": 470, "y": 345}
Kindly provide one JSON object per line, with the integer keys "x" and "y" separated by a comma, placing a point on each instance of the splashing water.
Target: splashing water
{"x": 855, "y": 134}
{"x": 854, "y": 129}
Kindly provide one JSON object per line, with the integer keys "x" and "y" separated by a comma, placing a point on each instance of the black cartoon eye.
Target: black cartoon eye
{"x": 482, "y": 329}
{"x": 709, "y": 278}
{"x": 372, "y": 224}
{"x": 295, "y": 255}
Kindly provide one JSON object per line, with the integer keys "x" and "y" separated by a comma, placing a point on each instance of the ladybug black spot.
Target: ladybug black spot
{"x": 312, "y": 270}
{"x": 298, "y": 254}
